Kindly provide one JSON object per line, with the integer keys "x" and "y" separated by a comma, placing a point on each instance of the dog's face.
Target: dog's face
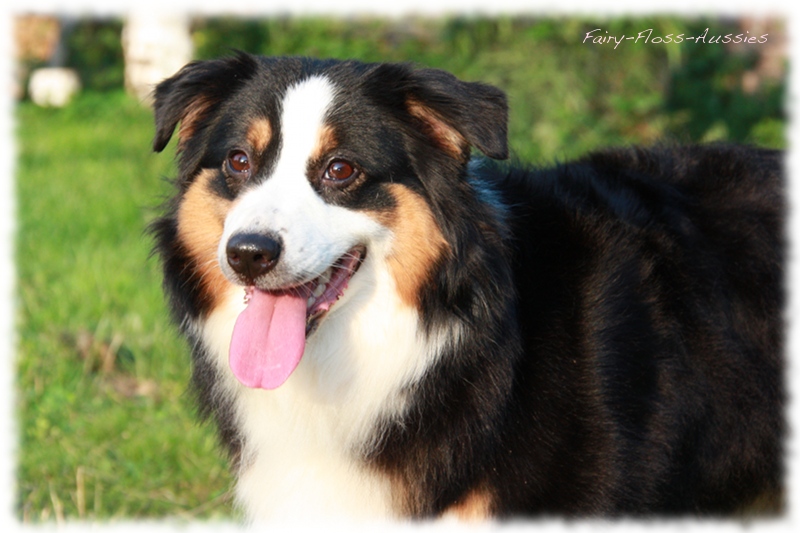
{"x": 295, "y": 172}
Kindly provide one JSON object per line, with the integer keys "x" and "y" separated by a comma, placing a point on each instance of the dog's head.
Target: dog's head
{"x": 294, "y": 172}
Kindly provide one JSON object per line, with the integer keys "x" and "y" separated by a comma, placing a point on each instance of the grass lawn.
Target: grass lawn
{"x": 106, "y": 429}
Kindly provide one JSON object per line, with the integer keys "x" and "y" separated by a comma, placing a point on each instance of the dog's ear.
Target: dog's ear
{"x": 457, "y": 114}
{"x": 194, "y": 92}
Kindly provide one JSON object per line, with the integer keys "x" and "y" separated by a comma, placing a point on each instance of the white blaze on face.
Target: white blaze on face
{"x": 314, "y": 233}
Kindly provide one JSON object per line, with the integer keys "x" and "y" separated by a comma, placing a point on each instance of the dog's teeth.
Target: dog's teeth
{"x": 311, "y": 301}
{"x": 319, "y": 290}
{"x": 325, "y": 277}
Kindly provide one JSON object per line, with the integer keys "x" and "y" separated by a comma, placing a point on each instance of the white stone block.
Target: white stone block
{"x": 53, "y": 87}
{"x": 156, "y": 46}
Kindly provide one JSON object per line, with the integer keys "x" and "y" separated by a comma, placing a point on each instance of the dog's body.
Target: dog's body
{"x": 603, "y": 337}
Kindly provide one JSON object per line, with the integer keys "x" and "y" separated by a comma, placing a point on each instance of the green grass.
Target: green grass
{"x": 106, "y": 430}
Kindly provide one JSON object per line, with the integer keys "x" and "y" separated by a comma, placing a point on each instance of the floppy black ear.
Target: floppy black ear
{"x": 191, "y": 94}
{"x": 459, "y": 114}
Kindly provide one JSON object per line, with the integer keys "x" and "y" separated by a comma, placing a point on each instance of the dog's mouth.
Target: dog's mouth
{"x": 269, "y": 335}
{"x": 326, "y": 290}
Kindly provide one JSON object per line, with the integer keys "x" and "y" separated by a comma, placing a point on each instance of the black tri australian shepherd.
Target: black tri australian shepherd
{"x": 385, "y": 325}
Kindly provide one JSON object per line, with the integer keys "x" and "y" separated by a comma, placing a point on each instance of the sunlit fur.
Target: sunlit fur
{"x": 600, "y": 338}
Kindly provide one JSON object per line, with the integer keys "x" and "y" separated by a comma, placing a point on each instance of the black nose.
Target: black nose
{"x": 253, "y": 254}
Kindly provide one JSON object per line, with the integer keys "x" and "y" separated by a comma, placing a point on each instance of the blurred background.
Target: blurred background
{"x": 106, "y": 428}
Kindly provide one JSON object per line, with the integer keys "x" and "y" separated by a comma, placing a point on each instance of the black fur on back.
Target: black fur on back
{"x": 646, "y": 289}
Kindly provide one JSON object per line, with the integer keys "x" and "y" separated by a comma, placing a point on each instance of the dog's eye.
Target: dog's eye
{"x": 239, "y": 162}
{"x": 340, "y": 171}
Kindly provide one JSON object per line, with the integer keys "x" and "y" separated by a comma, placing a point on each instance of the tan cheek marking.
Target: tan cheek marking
{"x": 418, "y": 243}
{"x": 259, "y": 134}
{"x": 201, "y": 216}
{"x": 474, "y": 507}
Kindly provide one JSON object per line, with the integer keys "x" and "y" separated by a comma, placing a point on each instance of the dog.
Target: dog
{"x": 387, "y": 324}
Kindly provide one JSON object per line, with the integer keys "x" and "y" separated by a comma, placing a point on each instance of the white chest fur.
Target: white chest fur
{"x": 304, "y": 441}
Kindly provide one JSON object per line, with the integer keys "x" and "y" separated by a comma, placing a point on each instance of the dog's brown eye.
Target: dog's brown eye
{"x": 239, "y": 162}
{"x": 340, "y": 170}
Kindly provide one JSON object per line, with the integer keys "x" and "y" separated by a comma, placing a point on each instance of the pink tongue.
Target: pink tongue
{"x": 268, "y": 339}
